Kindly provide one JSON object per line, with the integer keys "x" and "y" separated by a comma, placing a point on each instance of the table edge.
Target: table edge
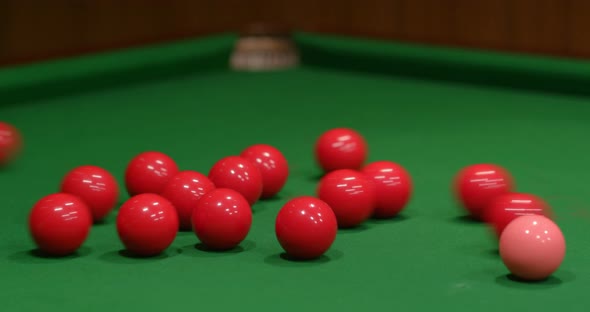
{"x": 467, "y": 66}
{"x": 211, "y": 53}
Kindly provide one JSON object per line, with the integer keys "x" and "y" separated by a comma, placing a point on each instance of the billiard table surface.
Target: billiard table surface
{"x": 433, "y": 110}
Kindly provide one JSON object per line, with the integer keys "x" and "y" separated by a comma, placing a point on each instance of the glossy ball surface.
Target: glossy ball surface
{"x": 11, "y": 143}
{"x": 222, "y": 219}
{"x": 149, "y": 172}
{"x": 306, "y": 227}
{"x": 147, "y": 224}
{"x": 273, "y": 167}
{"x": 341, "y": 148}
{"x": 507, "y": 207}
{"x": 393, "y": 186}
{"x": 475, "y": 186}
{"x": 532, "y": 247}
{"x": 184, "y": 191}
{"x": 96, "y": 186}
{"x": 239, "y": 174}
{"x": 59, "y": 224}
{"x": 350, "y": 194}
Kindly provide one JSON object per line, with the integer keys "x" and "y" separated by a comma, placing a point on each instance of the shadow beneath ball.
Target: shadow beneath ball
{"x": 99, "y": 223}
{"x": 125, "y": 256}
{"x": 321, "y": 259}
{"x": 39, "y": 256}
{"x": 205, "y": 248}
{"x": 128, "y": 254}
{"x": 275, "y": 198}
{"x": 203, "y": 251}
{"x": 109, "y": 219}
{"x": 284, "y": 260}
{"x": 512, "y": 281}
{"x": 259, "y": 207}
{"x": 315, "y": 177}
{"x": 185, "y": 233}
{"x": 356, "y": 229}
{"x": 9, "y": 167}
{"x": 103, "y": 222}
{"x": 466, "y": 219}
{"x": 494, "y": 253}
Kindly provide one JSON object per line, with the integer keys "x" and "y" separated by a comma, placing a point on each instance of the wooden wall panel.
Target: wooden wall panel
{"x": 112, "y": 22}
{"x": 426, "y": 20}
{"x": 483, "y": 24}
{"x": 579, "y": 28}
{"x": 33, "y": 30}
{"x": 539, "y": 25}
{"x": 3, "y": 31}
{"x": 209, "y": 16}
{"x": 283, "y": 11}
{"x": 374, "y": 18}
{"x": 40, "y": 28}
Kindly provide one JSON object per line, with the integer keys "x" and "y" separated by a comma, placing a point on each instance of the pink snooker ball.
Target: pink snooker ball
{"x": 532, "y": 247}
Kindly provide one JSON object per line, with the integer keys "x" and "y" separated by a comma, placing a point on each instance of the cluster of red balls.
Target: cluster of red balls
{"x": 348, "y": 194}
{"x": 163, "y": 200}
{"x": 531, "y": 244}
{"x": 217, "y": 207}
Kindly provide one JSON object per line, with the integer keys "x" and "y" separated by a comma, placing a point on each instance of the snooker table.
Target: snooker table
{"x": 433, "y": 110}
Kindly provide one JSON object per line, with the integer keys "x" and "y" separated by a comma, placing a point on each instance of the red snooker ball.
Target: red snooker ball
{"x": 222, "y": 219}
{"x": 97, "y": 187}
{"x": 60, "y": 223}
{"x": 184, "y": 191}
{"x": 341, "y": 148}
{"x": 10, "y": 143}
{"x": 476, "y": 185}
{"x": 147, "y": 224}
{"x": 239, "y": 174}
{"x": 306, "y": 227}
{"x": 532, "y": 247}
{"x": 350, "y": 194}
{"x": 273, "y": 167}
{"x": 149, "y": 172}
{"x": 393, "y": 186}
{"x": 507, "y": 207}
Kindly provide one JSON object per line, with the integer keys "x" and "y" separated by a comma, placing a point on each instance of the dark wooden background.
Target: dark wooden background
{"x": 32, "y": 30}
